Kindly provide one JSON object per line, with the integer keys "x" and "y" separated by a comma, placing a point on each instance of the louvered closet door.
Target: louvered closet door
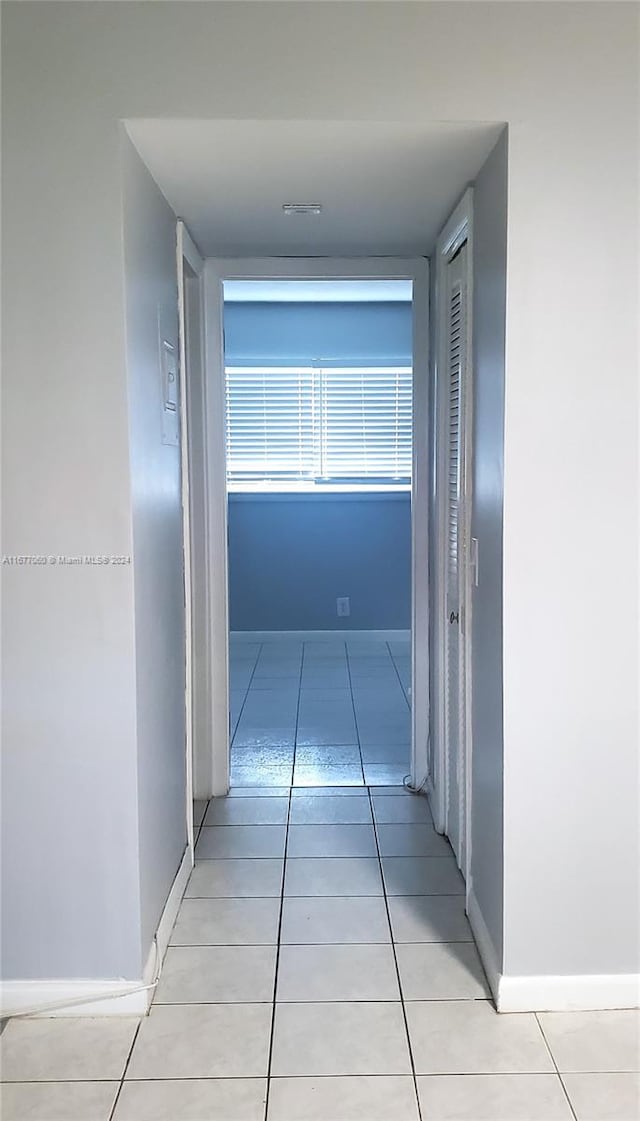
{"x": 454, "y": 670}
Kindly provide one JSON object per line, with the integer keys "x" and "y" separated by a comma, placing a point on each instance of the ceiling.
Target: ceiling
{"x": 317, "y": 291}
{"x": 385, "y": 187}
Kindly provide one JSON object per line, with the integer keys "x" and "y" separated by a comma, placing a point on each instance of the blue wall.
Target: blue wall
{"x": 301, "y": 333}
{"x": 291, "y": 556}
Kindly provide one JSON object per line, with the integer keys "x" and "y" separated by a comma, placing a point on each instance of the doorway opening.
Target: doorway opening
{"x": 318, "y": 395}
{"x": 341, "y": 425}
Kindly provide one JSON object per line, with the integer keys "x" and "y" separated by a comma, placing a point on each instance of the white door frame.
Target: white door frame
{"x": 190, "y": 268}
{"x": 216, "y": 271}
{"x": 457, "y": 231}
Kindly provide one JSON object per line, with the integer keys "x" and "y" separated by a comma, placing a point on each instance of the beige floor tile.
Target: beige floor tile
{"x": 66, "y": 1050}
{"x": 401, "y": 808}
{"x": 224, "y": 841}
{"x": 244, "y": 775}
{"x": 311, "y": 810}
{"x": 336, "y": 1039}
{"x": 422, "y": 875}
{"x": 213, "y": 1099}
{"x": 235, "y": 879}
{"x": 202, "y": 1041}
{"x": 333, "y": 876}
{"x": 328, "y": 792}
{"x": 493, "y": 1097}
{"x": 310, "y": 695}
{"x": 470, "y": 1037}
{"x": 284, "y": 685}
{"x": 343, "y": 1099}
{"x": 384, "y": 754}
{"x": 604, "y": 1097}
{"x": 306, "y": 775}
{"x": 411, "y": 840}
{"x": 429, "y": 918}
{"x": 339, "y": 973}
{"x": 393, "y": 792}
{"x": 334, "y": 920}
{"x": 441, "y": 971}
{"x": 247, "y": 791}
{"x": 57, "y": 1101}
{"x": 331, "y": 840}
{"x": 264, "y": 746}
{"x": 327, "y": 755}
{"x": 227, "y": 922}
{"x": 379, "y": 774}
{"x": 217, "y": 974}
{"x": 593, "y": 1041}
{"x": 247, "y": 811}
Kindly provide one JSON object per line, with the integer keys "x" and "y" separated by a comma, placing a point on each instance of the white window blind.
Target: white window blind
{"x": 310, "y": 425}
{"x": 366, "y": 423}
{"x": 271, "y": 424}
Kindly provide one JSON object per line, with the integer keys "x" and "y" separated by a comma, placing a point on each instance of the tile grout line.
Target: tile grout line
{"x": 355, "y": 717}
{"x": 197, "y": 836}
{"x": 245, "y": 945}
{"x": 393, "y": 662}
{"x": 124, "y": 1073}
{"x": 256, "y": 1078}
{"x": 253, "y": 945}
{"x": 395, "y": 957}
{"x": 295, "y": 730}
{"x": 555, "y": 1067}
{"x": 327, "y": 1004}
{"x": 277, "y": 960}
{"x": 242, "y": 706}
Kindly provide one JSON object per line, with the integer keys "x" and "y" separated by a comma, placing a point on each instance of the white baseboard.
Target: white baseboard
{"x": 72, "y": 998}
{"x": 319, "y": 636}
{"x": 570, "y": 993}
{"x": 172, "y": 906}
{"x": 484, "y": 942}
{"x": 90, "y": 997}
{"x": 432, "y": 799}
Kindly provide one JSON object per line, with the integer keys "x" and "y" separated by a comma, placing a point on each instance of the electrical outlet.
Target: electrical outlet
{"x": 344, "y": 607}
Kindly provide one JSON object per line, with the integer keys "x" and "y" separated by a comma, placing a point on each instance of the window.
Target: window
{"x": 305, "y": 426}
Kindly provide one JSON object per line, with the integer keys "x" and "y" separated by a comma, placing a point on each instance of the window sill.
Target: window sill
{"x": 330, "y": 492}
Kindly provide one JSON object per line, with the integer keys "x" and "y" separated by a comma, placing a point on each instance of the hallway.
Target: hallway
{"x": 322, "y": 969}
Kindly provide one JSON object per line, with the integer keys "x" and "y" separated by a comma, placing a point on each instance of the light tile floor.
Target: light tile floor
{"x": 325, "y": 711}
{"x": 342, "y": 987}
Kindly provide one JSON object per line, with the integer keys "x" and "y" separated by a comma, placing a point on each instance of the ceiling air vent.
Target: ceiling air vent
{"x": 302, "y": 208}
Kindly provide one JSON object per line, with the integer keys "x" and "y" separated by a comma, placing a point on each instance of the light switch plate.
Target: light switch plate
{"x": 169, "y": 389}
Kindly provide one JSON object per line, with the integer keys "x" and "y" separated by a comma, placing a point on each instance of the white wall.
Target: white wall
{"x": 489, "y": 309}
{"x": 70, "y": 891}
{"x": 564, "y": 77}
{"x": 150, "y": 285}
{"x": 571, "y": 521}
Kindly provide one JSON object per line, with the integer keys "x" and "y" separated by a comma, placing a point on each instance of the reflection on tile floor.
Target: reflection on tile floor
{"x": 339, "y": 986}
{"x": 323, "y": 712}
